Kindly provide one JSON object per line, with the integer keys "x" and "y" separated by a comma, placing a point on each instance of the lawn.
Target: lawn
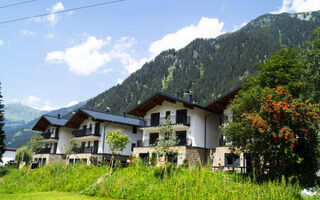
{"x": 48, "y": 196}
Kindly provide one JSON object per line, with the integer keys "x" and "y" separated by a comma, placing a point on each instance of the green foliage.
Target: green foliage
{"x": 280, "y": 135}
{"x": 153, "y": 159}
{"x": 283, "y": 68}
{"x": 167, "y": 139}
{"x": 222, "y": 63}
{"x": 116, "y": 141}
{"x": 70, "y": 178}
{"x": 74, "y": 144}
{"x": 24, "y": 154}
{"x": 35, "y": 143}
{"x": 2, "y": 134}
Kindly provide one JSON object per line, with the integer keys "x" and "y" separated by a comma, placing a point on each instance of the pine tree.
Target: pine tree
{"x": 2, "y": 134}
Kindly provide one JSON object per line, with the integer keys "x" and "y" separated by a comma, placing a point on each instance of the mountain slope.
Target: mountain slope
{"x": 210, "y": 67}
{"x": 20, "y": 112}
{"x": 19, "y": 135}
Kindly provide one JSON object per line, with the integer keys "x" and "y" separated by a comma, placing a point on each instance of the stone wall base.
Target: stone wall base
{"x": 48, "y": 158}
{"x": 218, "y": 157}
{"x": 190, "y": 155}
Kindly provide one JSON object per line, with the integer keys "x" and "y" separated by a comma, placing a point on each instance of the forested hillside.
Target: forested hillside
{"x": 210, "y": 67}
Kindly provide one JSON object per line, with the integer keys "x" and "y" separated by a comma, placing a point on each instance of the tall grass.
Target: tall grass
{"x": 72, "y": 178}
{"x": 140, "y": 182}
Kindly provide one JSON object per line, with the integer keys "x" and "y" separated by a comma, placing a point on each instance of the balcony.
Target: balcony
{"x": 44, "y": 151}
{"x": 180, "y": 120}
{"x": 93, "y": 150}
{"x": 181, "y": 142}
{"x": 85, "y": 133}
{"x": 48, "y": 136}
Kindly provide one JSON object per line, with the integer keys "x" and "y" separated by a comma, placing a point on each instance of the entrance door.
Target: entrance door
{"x": 55, "y": 148}
{"x": 95, "y": 146}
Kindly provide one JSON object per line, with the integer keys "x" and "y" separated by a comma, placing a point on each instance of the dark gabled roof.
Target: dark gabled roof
{"x": 83, "y": 114}
{"x": 219, "y": 104}
{"x": 46, "y": 120}
{"x": 10, "y": 149}
{"x": 157, "y": 99}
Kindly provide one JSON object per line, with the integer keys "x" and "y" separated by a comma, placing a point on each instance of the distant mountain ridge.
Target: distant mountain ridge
{"x": 19, "y": 112}
{"x": 19, "y": 134}
{"x": 210, "y": 67}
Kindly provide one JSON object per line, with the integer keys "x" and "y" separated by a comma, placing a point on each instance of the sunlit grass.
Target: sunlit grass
{"x": 141, "y": 182}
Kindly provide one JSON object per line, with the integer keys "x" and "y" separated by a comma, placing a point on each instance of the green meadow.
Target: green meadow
{"x": 138, "y": 182}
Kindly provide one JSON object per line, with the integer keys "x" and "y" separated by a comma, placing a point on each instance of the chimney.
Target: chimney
{"x": 176, "y": 95}
{"x": 107, "y": 109}
{"x": 59, "y": 116}
{"x": 189, "y": 96}
{"x": 124, "y": 114}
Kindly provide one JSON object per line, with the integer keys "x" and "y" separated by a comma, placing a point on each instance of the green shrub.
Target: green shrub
{"x": 153, "y": 159}
{"x": 23, "y": 153}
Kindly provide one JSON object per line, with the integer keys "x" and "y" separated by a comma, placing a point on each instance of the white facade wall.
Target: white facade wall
{"x": 196, "y": 131}
{"x": 106, "y": 126}
{"x": 8, "y": 156}
{"x": 64, "y": 135}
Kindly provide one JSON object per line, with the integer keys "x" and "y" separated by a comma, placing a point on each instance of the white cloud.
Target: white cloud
{"x": 84, "y": 58}
{"x": 236, "y": 27}
{"x": 1, "y": 42}
{"x": 47, "y": 108}
{"x": 106, "y": 71}
{"x": 50, "y": 36}
{"x": 27, "y": 33}
{"x": 53, "y": 18}
{"x": 119, "y": 81}
{"x": 298, "y": 6}
{"x": 72, "y": 103}
{"x": 88, "y": 57}
{"x": 206, "y": 28}
{"x": 32, "y": 99}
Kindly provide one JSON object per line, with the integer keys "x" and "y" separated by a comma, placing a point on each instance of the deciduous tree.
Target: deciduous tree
{"x": 117, "y": 142}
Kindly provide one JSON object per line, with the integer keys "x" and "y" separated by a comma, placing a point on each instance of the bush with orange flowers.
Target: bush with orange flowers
{"x": 279, "y": 133}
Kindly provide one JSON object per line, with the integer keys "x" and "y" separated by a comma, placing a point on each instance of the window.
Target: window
{"x": 155, "y": 119}
{"x": 173, "y": 157}
{"x": 181, "y": 116}
{"x": 167, "y": 114}
{"x": 232, "y": 160}
{"x": 97, "y": 129}
{"x": 134, "y": 129}
{"x": 133, "y": 145}
{"x": 181, "y": 137}
{"x": 223, "y": 119}
{"x": 153, "y": 138}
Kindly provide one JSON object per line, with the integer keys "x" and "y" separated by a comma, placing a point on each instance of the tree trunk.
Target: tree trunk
{"x": 67, "y": 160}
{"x": 111, "y": 163}
{"x": 165, "y": 167}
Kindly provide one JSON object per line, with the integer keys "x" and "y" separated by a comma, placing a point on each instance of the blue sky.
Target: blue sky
{"x": 61, "y": 59}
